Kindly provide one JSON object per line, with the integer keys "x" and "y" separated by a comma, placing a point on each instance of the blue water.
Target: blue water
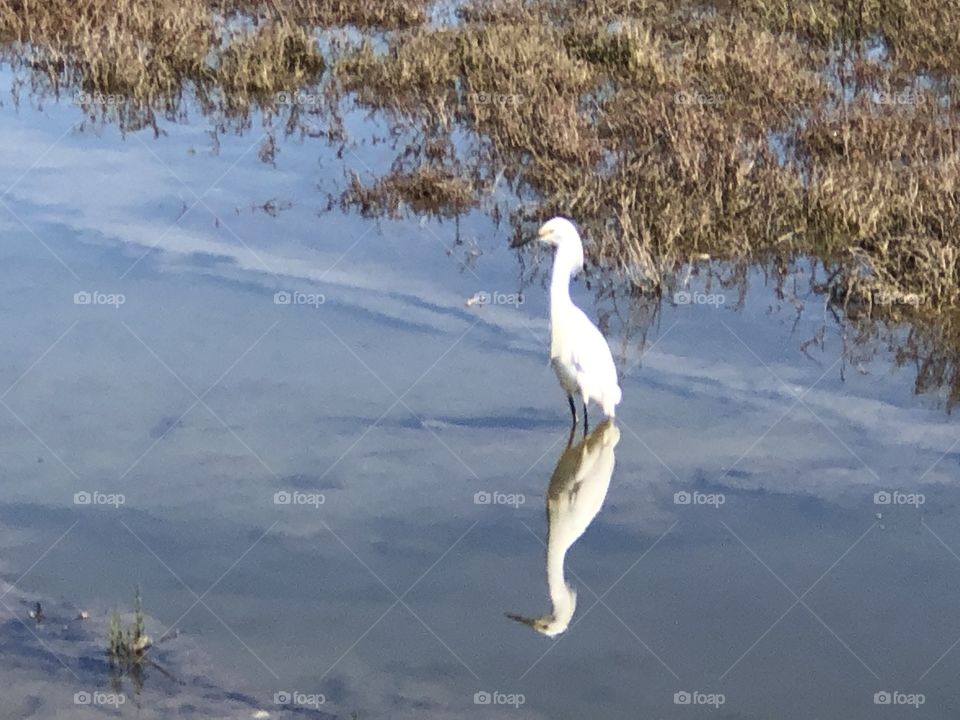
{"x": 199, "y": 398}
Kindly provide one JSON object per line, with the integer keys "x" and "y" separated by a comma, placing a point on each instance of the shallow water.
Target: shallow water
{"x": 784, "y": 589}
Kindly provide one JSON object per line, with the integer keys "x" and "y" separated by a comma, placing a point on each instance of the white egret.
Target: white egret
{"x": 579, "y": 353}
{"x": 576, "y": 493}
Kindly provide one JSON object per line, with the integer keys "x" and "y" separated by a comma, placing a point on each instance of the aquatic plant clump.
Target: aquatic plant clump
{"x": 126, "y": 646}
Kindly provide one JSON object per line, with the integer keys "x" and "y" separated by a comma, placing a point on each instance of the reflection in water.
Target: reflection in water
{"x": 576, "y": 493}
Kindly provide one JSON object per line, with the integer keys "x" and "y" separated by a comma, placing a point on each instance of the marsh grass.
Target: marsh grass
{"x": 132, "y": 58}
{"x": 671, "y": 133}
{"x": 423, "y": 190}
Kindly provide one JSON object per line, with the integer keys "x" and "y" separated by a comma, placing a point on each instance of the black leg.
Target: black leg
{"x": 585, "y": 421}
{"x": 573, "y": 409}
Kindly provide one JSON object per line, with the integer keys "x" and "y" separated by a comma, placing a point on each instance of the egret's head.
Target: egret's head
{"x": 562, "y": 234}
{"x": 556, "y": 622}
{"x": 558, "y": 231}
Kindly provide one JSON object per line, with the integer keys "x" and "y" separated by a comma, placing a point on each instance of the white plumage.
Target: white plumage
{"x": 579, "y": 353}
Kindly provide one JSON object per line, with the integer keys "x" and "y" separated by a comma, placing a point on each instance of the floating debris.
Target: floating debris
{"x": 37, "y": 613}
{"x": 271, "y": 207}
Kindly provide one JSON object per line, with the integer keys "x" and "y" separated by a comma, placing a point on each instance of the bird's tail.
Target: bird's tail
{"x": 611, "y": 400}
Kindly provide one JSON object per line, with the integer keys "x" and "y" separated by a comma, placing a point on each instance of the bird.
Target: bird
{"x": 579, "y": 353}
{"x": 575, "y": 495}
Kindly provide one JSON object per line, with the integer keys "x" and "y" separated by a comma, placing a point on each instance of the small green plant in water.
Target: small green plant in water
{"x": 127, "y": 646}
{"x": 127, "y": 650}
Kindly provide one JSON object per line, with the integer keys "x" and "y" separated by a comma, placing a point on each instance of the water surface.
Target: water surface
{"x": 783, "y": 586}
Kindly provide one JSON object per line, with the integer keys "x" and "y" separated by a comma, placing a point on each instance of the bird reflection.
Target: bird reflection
{"x": 576, "y": 493}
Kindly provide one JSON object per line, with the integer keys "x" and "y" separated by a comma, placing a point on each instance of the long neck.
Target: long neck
{"x": 558, "y": 543}
{"x": 556, "y": 583}
{"x": 564, "y": 264}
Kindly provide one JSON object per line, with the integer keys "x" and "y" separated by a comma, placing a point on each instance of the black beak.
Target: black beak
{"x": 527, "y": 239}
{"x": 521, "y": 619}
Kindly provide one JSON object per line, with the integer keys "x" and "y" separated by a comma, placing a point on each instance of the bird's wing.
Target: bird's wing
{"x": 590, "y": 353}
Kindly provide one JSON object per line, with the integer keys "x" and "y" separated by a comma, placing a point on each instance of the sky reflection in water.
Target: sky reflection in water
{"x": 740, "y": 549}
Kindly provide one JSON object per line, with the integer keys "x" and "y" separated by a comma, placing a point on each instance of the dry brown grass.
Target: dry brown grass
{"x": 149, "y": 50}
{"x": 126, "y": 46}
{"x": 386, "y": 14}
{"x": 765, "y": 128}
{"x": 424, "y": 190}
